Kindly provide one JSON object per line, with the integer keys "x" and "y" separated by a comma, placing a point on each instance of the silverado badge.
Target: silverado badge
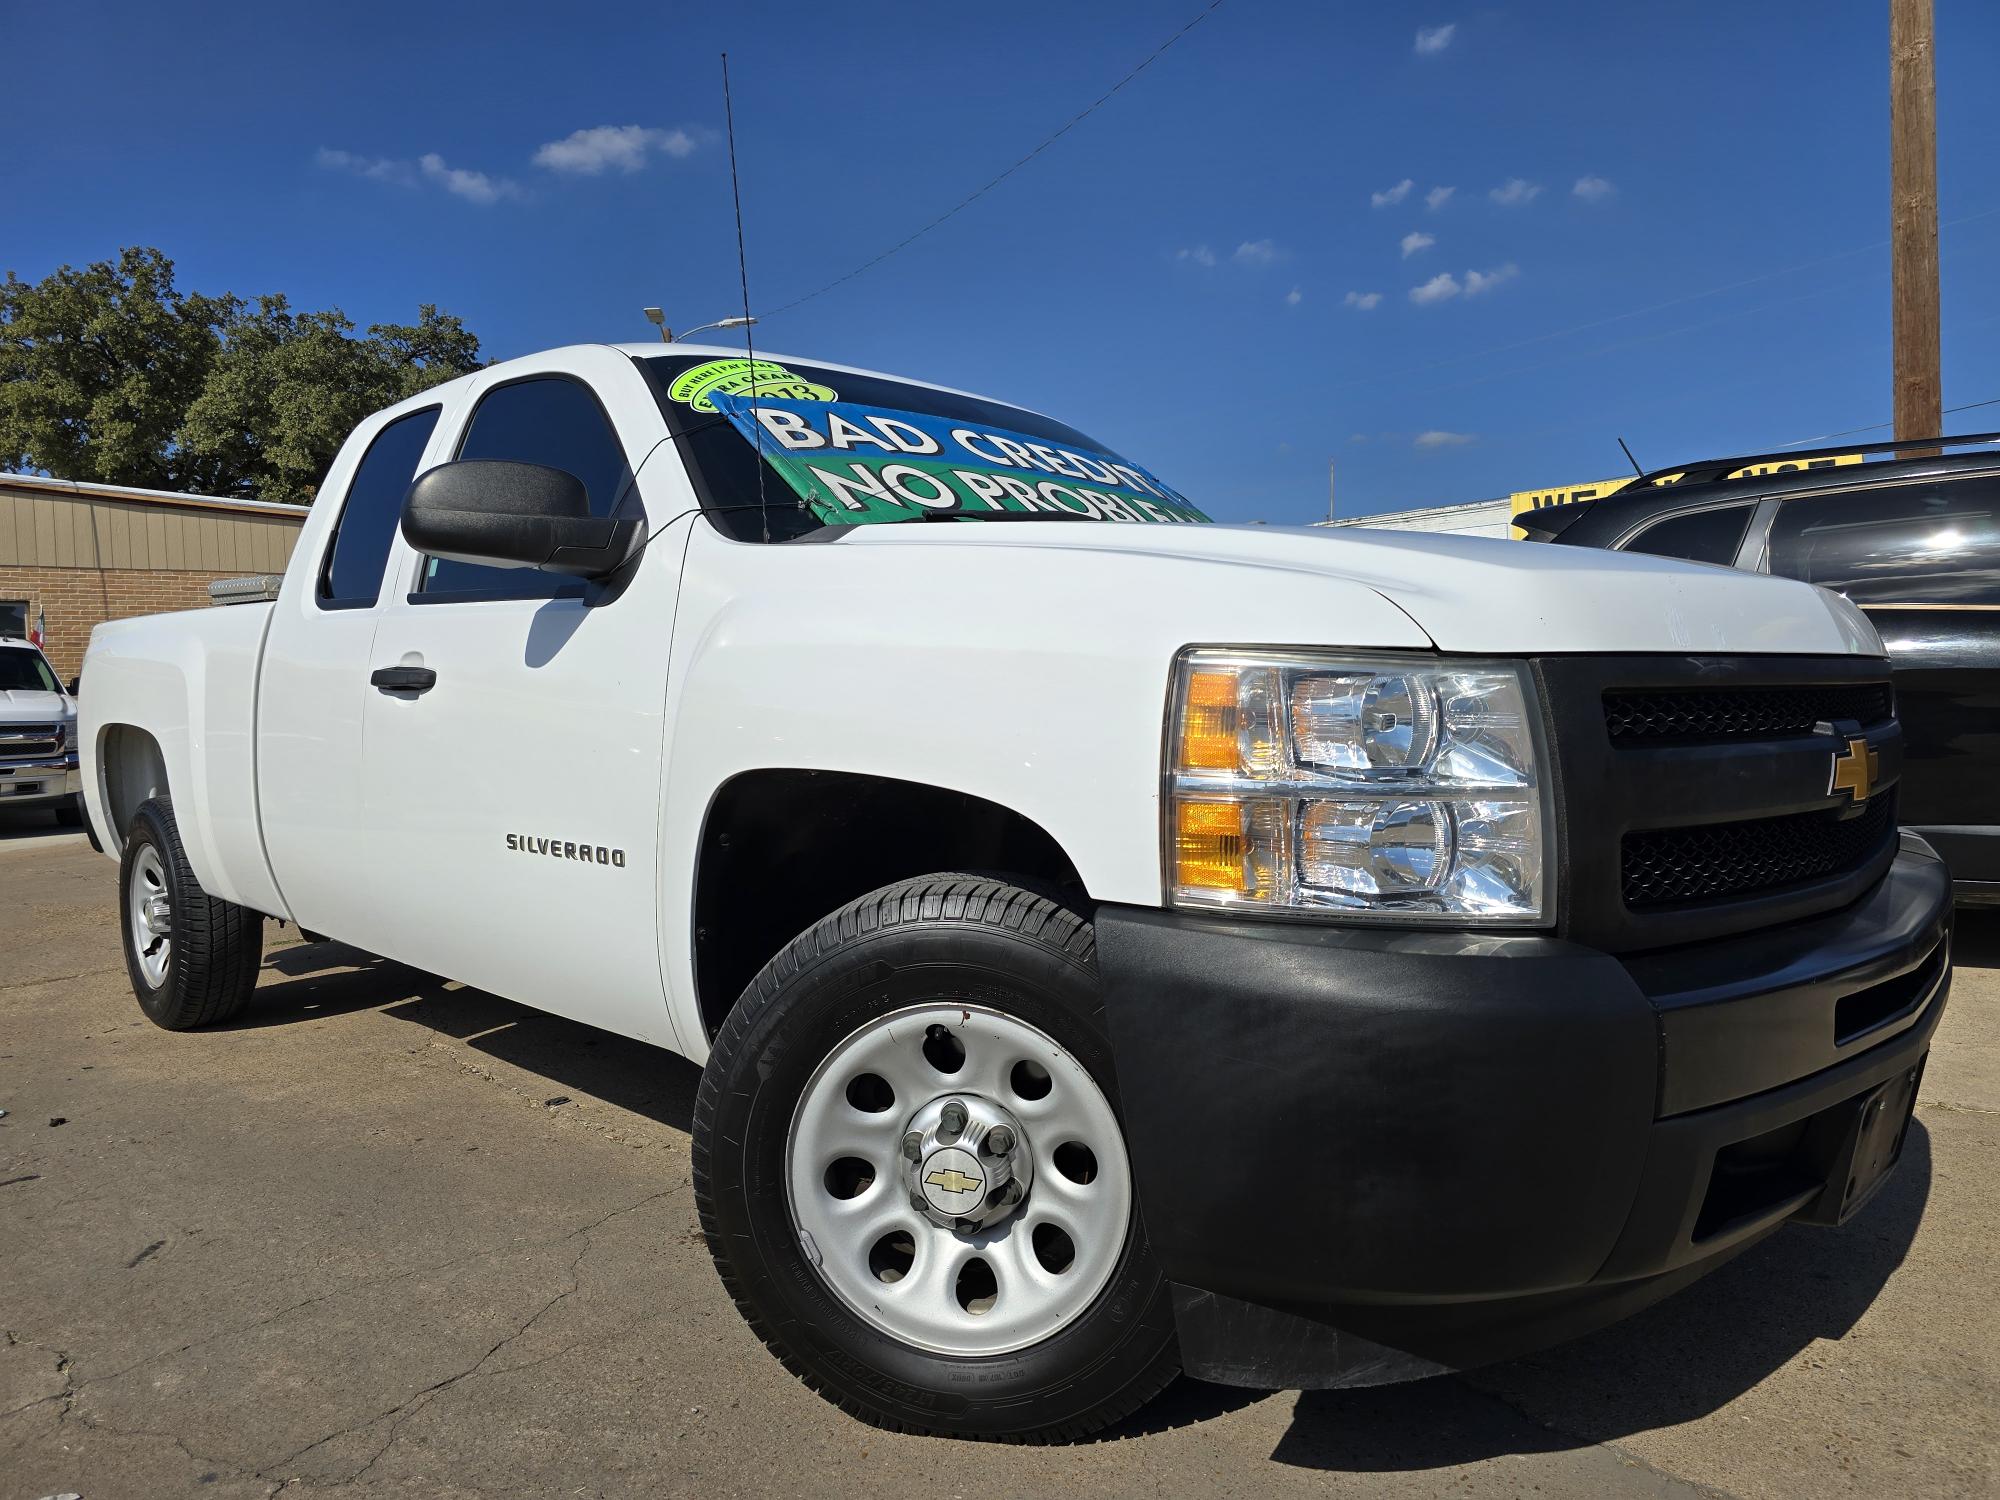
{"x": 1855, "y": 767}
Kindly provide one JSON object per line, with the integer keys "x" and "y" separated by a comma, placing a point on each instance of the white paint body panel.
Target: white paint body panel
{"x": 1024, "y": 663}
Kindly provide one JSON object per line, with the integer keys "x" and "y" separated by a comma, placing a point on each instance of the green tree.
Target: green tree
{"x": 111, "y": 374}
{"x": 289, "y": 386}
{"x": 97, "y": 367}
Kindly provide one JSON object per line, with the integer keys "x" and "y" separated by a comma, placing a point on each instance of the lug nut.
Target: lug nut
{"x": 999, "y": 1140}
{"x": 920, "y": 1203}
{"x": 951, "y": 1124}
{"x": 913, "y": 1145}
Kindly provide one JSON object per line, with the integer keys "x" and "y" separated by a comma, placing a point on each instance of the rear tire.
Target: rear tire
{"x": 192, "y": 959}
{"x": 1020, "y": 970}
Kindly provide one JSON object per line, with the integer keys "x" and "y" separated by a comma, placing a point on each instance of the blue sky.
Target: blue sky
{"x": 1693, "y": 256}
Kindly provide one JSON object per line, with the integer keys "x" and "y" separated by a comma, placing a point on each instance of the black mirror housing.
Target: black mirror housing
{"x": 514, "y": 515}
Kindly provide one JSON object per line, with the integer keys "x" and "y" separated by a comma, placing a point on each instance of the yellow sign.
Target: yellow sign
{"x": 1597, "y": 489}
{"x": 1562, "y": 494}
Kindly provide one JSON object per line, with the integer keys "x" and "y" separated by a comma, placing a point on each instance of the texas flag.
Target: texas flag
{"x": 40, "y": 634}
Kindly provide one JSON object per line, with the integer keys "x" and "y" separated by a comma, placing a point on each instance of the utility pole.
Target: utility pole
{"x": 1913, "y": 219}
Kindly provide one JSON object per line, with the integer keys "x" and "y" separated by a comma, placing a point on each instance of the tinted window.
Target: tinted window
{"x": 361, "y": 537}
{"x": 548, "y": 420}
{"x": 14, "y": 618}
{"x": 1930, "y": 543}
{"x": 1710, "y": 536}
{"x": 25, "y": 671}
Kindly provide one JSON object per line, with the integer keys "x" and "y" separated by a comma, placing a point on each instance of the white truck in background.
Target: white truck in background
{"x": 38, "y": 758}
{"x": 1114, "y": 944}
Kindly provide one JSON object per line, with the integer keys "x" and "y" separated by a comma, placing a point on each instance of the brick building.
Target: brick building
{"x": 83, "y": 552}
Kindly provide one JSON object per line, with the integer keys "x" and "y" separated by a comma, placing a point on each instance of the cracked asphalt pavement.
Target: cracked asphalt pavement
{"x": 388, "y": 1236}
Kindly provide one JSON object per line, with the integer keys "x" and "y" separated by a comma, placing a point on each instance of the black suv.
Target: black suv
{"x": 1915, "y": 542}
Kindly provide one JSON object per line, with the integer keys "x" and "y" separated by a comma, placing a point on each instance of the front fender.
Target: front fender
{"x": 1033, "y": 678}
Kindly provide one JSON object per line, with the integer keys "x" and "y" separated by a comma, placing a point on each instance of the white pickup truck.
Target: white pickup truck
{"x": 1114, "y": 944}
{"x": 38, "y": 757}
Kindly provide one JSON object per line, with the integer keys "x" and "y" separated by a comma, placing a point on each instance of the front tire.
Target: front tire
{"x": 1030, "y": 1306}
{"x": 192, "y": 959}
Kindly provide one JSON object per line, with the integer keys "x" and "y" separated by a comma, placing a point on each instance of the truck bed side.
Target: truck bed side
{"x": 169, "y": 705}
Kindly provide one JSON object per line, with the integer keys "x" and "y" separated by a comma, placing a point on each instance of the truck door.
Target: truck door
{"x": 313, "y": 683}
{"x": 512, "y": 799}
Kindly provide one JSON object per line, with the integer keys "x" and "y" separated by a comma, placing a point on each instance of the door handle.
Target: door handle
{"x": 403, "y": 679}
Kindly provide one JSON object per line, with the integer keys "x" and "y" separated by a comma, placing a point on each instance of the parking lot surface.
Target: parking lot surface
{"x": 388, "y": 1236}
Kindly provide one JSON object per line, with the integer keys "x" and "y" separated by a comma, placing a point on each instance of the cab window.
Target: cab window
{"x": 1937, "y": 542}
{"x": 546, "y": 419}
{"x": 351, "y": 576}
{"x": 1708, "y": 536}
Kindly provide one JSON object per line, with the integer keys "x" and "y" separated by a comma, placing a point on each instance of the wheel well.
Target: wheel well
{"x": 781, "y": 849}
{"x": 133, "y": 770}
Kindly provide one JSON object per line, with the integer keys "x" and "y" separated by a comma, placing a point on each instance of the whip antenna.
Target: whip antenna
{"x": 743, "y": 276}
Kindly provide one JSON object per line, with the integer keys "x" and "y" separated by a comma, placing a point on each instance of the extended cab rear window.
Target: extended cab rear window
{"x": 844, "y": 449}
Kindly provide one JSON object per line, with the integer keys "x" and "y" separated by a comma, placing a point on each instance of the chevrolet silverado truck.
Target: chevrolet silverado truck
{"x": 39, "y": 766}
{"x": 1114, "y": 944}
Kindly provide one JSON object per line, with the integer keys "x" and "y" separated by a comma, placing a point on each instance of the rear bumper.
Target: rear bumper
{"x": 1354, "y": 1146}
{"x": 37, "y": 783}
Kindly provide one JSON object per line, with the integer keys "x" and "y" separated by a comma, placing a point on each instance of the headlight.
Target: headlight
{"x": 1387, "y": 789}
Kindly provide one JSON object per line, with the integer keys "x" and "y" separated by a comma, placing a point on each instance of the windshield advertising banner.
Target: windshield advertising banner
{"x": 854, "y": 464}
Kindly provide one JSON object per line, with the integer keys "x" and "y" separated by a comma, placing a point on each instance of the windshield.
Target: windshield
{"x": 25, "y": 671}
{"x": 840, "y": 449}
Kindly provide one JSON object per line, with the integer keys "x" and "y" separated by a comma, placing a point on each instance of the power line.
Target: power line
{"x": 1074, "y": 121}
{"x": 1878, "y": 426}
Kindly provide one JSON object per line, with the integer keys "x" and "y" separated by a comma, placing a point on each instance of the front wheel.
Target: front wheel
{"x": 913, "y": 1176}
{"x": 192, "y": 959}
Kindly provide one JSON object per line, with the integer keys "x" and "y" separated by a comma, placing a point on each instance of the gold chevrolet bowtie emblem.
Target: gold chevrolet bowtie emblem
{"x": 951, "y": 1180}
{"x": 1855, "y": 767}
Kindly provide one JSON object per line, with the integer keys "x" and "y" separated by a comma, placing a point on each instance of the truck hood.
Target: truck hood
{"x": 1474, "y": 594}
{"x": 32, "y": 705}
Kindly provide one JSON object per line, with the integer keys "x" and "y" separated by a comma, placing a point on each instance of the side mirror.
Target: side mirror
{"x": 72, "y": 685}
{"x": 510, "y": 515}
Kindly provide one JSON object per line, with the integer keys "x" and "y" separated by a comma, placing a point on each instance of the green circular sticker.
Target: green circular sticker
{"x": 696, "y": 387}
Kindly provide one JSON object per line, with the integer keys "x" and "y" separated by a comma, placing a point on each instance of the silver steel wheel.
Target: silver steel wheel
{"x": 959, "y": 1180}
{"x": 149, "y": 915}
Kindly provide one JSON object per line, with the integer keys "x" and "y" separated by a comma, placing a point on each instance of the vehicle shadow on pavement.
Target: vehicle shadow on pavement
{"x": 579, "y": 1059}
{"x": 1673, "y": 1363}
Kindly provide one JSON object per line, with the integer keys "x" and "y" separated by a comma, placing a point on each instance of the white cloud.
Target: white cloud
{"x": 375, "y": 168}
{"x": 1257, "y": 253}
{"x": 1484, "y": 281}
{"x": 1437, "y": 438}
{"x": 1515, "y": 191}
{"x": 1294, "y": 297}
{"x": 474, "y": 187}
{"x": 1593, "y": 189}
{"x": 625, "y": 147}
{"x": 1199, "y": 255}
{"x": 1357, "y": 437}
{"x": 1438, "y": 197}
{"x": 1417, "y": 240}
{"x": 1440, "y": 288}
{"x": 1366, "y": 301}
{"x": 1389, "y": 197}
{"x": 1432, "y": 40}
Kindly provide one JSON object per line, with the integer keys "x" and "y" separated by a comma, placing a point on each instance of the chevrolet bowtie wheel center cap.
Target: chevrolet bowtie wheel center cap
{"x": 966, "y": 1161}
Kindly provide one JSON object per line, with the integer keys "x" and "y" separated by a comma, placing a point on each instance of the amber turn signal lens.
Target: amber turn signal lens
{"x": 1210, "y": 723}
{"x": 1209, "y": 846}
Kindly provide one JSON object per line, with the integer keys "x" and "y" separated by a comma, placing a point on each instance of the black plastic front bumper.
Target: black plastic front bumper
{"x": 1356, "y": 1146}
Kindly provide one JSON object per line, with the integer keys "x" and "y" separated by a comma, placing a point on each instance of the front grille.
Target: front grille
{"x": 1674, "y": 866}
{"x": 1708, "y": 714}
{"x": 30, "y": 741}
